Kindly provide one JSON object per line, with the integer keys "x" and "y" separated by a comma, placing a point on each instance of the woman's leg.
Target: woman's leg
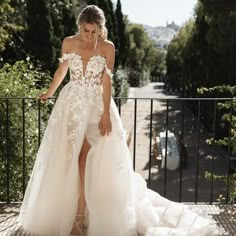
{"x": 81, "y": 201}
{"x": 82, "y": 162}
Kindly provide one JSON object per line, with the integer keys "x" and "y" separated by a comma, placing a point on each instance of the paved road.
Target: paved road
{"x": 151, "y": 90}
{"x": 186, "y": 178}
{"x": 142, "y": 151}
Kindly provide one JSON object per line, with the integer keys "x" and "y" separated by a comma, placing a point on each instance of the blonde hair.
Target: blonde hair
{"x": 92, "y": 14}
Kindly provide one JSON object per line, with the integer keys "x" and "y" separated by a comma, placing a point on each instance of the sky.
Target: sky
{"x": 158, "y": 12}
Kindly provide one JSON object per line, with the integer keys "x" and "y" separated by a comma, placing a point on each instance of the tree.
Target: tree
{"x": 206, "y": 55}
{"x": 69, "y": 17}
{"x": 39, "y": 36}
{"x": 112, "y": 23}
{"x": 14, "y": 49}
{"x": 92, "y": 2}
{"x": 123, "y": 42}
{"x": 7, "y": 24}
{"x": 140, "y": 55}
{"x": 18, "y": 80}
{"x": 226, "y": 116}
{"x": 157, "y": 62}
{"x": 63, "y": 22}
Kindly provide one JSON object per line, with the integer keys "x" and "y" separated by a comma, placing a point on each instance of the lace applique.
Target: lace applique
{"x": 89, "y": 75}
{"x": 66, "y": 56}
{"x": 108, "y": 71}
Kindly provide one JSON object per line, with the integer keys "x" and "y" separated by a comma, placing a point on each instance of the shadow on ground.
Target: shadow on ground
{"x": 197, "y": 157}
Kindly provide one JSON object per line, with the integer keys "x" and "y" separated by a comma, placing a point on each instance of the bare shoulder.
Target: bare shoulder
{"x": 108, "y": 45}
{"x": 68, "y": 43}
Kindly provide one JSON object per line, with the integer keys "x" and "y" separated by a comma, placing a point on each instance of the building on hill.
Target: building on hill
{"x": 162, "y": 35}
{"x": 172, "y": 26}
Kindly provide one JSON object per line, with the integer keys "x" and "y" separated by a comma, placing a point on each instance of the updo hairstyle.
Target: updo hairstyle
{"x": 92, "y": 14}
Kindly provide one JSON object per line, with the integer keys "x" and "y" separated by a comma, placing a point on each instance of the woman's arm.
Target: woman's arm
{"x": 58, "y": 76}
{"x": 105, "y": 125}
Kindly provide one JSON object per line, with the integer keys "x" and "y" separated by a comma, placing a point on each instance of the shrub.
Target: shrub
{"x": 18, "y": 81}
{"x": 120, "y": 83}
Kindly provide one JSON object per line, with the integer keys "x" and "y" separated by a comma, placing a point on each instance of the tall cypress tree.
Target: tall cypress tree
{"x": 122, "y": 34}
{"x": 103, "y": 4}
{"x": 92, "y": 2}
{"x": 113, "y": 21}
{"x": 11, "y": 31}
{"x": 63, "y": 21}
{"x": 69, "y": 17}
{"x": 39, "y": 34}
{"x": 56, "y": 8}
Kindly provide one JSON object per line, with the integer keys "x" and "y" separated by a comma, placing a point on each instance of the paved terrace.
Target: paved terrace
{"x": 224, "y": 215}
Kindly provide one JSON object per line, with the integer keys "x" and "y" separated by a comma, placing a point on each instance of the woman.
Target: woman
{"x": 82, "y": 181}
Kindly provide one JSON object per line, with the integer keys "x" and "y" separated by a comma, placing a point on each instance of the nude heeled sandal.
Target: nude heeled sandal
{"x": 80, "y": 226}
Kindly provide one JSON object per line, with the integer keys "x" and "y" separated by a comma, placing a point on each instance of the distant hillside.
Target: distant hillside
{"x": 162, "y": 35}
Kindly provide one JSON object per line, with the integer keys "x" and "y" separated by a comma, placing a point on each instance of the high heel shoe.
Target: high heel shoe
{"x": 79, "y": 225}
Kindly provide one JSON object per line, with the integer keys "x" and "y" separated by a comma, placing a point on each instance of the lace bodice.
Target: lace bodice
{"x": 89, "y": 74}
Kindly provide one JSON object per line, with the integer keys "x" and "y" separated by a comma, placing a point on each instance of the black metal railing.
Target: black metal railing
{"x": 23, "y": 121}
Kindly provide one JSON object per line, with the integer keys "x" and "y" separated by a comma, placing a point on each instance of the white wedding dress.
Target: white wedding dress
{"x": 118, "y": 201}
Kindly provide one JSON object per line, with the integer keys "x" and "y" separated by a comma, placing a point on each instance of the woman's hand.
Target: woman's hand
{"x": 105, "y": 126}
{"x": 43, "y": 97}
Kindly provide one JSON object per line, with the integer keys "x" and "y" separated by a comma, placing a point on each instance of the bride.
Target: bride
{"x": 82, "y": 181}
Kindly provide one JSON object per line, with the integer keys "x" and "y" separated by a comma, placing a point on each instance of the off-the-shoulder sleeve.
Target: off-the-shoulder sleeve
{"x": 64, "y": 57}
{"x": 108, "y": 71}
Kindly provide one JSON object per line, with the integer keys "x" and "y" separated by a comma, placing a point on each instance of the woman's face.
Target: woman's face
{"x": 89, "y": 31}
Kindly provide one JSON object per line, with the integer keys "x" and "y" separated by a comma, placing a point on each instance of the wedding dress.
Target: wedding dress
{"x": 118, "y": 201}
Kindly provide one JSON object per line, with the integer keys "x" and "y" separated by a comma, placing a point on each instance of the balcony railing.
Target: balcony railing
{"x": 190, "y": 121}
